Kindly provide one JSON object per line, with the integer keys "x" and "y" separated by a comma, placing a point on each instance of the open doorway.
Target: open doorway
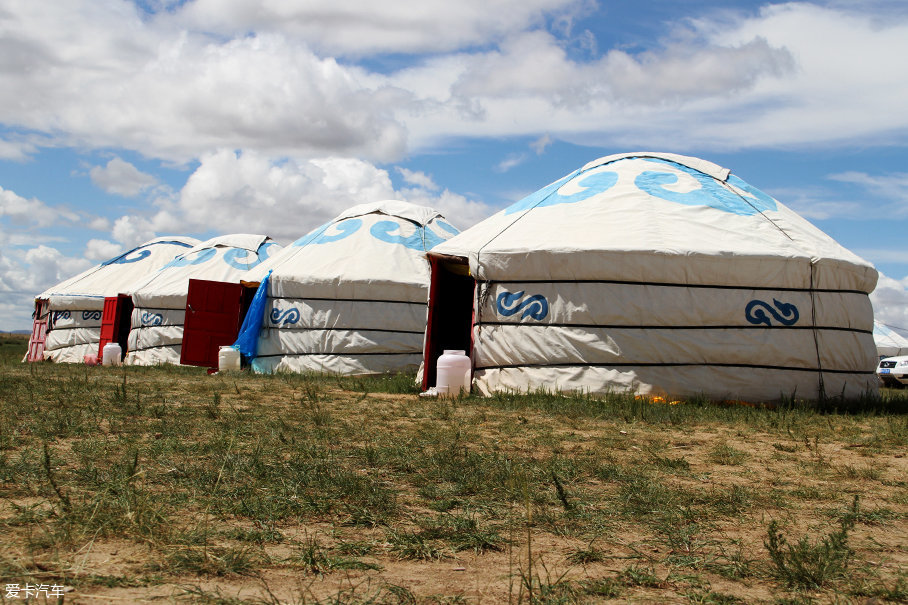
{"x": 115, "y": 322}
{"x": 450, "y": 320}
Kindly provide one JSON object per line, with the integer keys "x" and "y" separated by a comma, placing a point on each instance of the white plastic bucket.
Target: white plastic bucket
{"x": 453, "y": 373}
{"x": 228, "y": 359}
{"x": 111, "y": 354}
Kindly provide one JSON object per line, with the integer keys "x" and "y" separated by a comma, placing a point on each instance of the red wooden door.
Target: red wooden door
{"x": 115, "y": 321}
{"x": 213, "y": 317}
{"x": 39, "y": 333}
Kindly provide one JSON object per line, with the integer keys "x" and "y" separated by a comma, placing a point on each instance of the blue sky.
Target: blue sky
{"x": 120, "y": 120}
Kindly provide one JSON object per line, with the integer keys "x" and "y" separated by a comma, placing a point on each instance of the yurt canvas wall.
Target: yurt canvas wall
{"x": 159, "y": 300}
{"x": 350, "y": 297}
{"x": 655, "y": 274}
{"x": 74, "y": 306}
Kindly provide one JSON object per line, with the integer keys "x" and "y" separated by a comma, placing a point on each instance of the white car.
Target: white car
{"x": 893, "y": 371}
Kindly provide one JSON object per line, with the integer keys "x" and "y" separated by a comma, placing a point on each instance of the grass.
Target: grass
{"x": 141, "y": 482}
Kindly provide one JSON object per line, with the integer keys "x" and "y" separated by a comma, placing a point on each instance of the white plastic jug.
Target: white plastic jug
{"x": 453, "y": 373}
{"x": 228, "y": 359}
{"x": 111, "y": 354}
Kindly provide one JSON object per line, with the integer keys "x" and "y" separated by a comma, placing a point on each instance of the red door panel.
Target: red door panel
{"x": 115, "y": 322}
{"x": 213, "y": 317}
{"x": 39, "y": 333}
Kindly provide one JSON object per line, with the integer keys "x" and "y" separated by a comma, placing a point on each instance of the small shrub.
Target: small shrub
{"x": 727, "y": 455}
{"x": 807, "y": 565}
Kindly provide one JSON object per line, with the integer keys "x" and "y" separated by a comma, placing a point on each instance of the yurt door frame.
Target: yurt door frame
{"x": 450, "y": 321}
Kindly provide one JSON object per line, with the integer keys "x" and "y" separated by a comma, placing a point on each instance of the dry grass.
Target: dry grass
{"x": 165, "y": 482}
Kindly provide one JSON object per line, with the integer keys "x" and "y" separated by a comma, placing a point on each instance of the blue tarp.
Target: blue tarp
{"x": 247, "y": 343}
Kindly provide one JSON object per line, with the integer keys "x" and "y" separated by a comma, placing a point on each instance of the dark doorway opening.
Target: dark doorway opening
{"x": 450, "y": 321}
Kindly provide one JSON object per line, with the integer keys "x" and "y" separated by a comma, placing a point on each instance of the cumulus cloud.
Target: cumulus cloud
{"x": 265, "y": 76}
{"x": 133, "y": 230}
{"x": 121, "y": 178}
{"x": 358, "y": 27}
{"x": 420, "y": 179}
{"x": 890, "y": 303}
{"x": 232, "y": 192}
{"x": 460, "y": 211}
{"x": 25, "y": 273}
{"x": 99, "y": 75}
{"x": 101, "y": 249}
{"x": 792, "y": 74}
{"x": 21, "y": 212}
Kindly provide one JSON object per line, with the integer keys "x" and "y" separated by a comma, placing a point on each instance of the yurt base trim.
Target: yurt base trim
{"x": 364, "y": 300}
{"x": 287, "y": 354}
{"x": 168, "y": 346}
{"x": 309, "y": 328}
{"x": 666, "y": 285}
{"x": 674, "y": 365}
{"x": 661, "y": 327}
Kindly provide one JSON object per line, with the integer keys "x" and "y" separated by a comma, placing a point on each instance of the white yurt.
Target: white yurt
{"x": 657, "y": 274}
{"x": 350, "y": 297}
{"x": 73, "y": 308}
{"x": 889, "y": 343}
{"x": 159, "y": 300}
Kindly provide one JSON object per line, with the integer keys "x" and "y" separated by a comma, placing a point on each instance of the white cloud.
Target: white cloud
{"x": 121, "y": 178}
{"x": 98, "y": 75}
{"x": 16, "y": 150}
{"x": 248, "y": 192}
{"x": 32, "y": 213}
{"x": 460, "y": 211}
{"x": 360, "y": 27}
{"x": 893, "y": 188}
{"x": 793, "y": 74}
{"x": 511, "y": 161}
{"x": 133, "y": 230}
{"x": 238, "y": 74}
{"x": 818, "y": 203}
{"x": 25, "y": 273}
{"x": 98, "y": 223}
{"x": 420, "y": 179}
{"x": 541, "y": 144}
{"x": 890, "y": 302}
{"x": 102, "y": 250}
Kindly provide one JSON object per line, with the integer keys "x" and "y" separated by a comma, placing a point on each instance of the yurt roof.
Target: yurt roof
{"x": 370, "y": 250}
{"x": 662, "y": 218}
{"x": 222, "y": 258}
{"x": 889, "y": 342}
{"x": 115, "y": 275}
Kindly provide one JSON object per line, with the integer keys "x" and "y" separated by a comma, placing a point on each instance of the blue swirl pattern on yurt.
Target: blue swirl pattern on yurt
{"x": 711, "y": 192}
{"x": 345, "y": 229}
{"x": 232, "y": 256}
{"x": 195, "y": 258}
{"x": 535, "y": 307}
{"x": 784, "y": 313}
{"x": 422, "y": 238}
{"x": 143, "y": 252}
{"x": 448, "y": 227}
{"x": 593, "y": 184}
{"x": 286, "y": 317}
{"x": 152, "y": 319}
